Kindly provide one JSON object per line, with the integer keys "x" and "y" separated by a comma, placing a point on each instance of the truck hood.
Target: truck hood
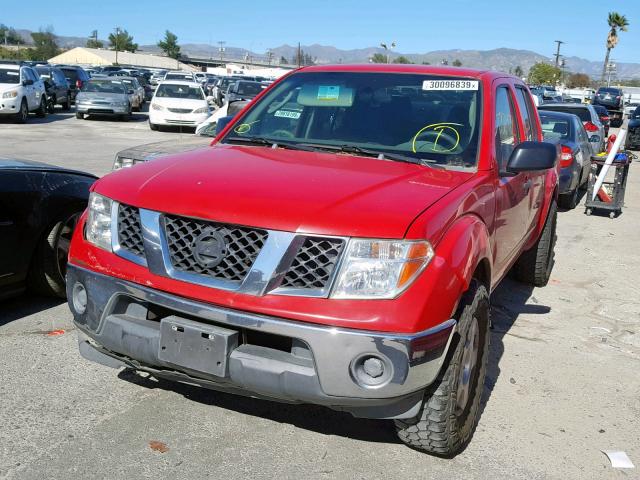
{"x": 296, "y": 191}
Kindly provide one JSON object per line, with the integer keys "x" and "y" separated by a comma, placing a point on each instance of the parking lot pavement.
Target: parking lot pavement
{"x": 89, "y": 145}
{"x": 562, "y": 384}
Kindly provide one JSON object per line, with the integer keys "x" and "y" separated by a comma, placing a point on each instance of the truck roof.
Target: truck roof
{"x": 406, "y": 68}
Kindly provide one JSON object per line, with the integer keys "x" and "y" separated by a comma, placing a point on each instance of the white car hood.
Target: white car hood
{"x": 180, "y": 103}
{"x": 8, "y": 86}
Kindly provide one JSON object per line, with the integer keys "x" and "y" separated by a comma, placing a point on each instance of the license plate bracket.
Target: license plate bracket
{"x": 196, "y": 346}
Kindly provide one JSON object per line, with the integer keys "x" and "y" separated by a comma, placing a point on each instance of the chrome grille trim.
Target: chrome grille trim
{"x": 265, "y": 276}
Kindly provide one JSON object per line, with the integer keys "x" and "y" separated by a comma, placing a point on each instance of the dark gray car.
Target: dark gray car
{"x": 567, "y": 131}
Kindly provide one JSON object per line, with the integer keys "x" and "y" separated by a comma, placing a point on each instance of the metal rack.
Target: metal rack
{"x": 615, "y": 189}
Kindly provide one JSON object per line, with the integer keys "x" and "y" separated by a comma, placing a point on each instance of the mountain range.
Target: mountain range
{"x": 501, "y": 59}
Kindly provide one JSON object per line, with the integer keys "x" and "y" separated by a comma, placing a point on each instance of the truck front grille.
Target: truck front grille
{"x": 314, "y": 263}
{"x": 130, "y": 230}
{"x": 185, "y": 237}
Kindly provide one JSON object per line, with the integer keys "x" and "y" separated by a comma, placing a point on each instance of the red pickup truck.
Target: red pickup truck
{"x": 337, "y": 244}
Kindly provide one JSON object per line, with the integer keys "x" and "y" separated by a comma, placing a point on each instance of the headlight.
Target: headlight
{"x": 123, "y": 162}
{"x": 155, "y": 106}
{"x": 98, "y": 228}
{"x": 201, "y": 110}
{"x": 11, "y": 94}
{"x": 380, "y": 268}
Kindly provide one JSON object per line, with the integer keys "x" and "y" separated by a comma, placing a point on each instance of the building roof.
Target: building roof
{"x": 99, "y": 56}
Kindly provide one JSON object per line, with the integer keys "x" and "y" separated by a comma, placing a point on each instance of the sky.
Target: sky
{"x": 415, "y": 26}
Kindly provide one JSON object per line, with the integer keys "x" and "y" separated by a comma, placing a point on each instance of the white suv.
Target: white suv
{"x": 21, "y": 91}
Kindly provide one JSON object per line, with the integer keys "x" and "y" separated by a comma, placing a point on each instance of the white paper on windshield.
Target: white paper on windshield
{"x": 328, "y": 92}
{"x": 450, "y": 85}
{"x": 287, "y": 114}
{"x": 9, "y": 72}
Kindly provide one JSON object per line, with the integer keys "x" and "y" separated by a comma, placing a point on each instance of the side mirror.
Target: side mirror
{"x": 222, "y": 123}
{"x": 532, "y": 156}
{"x": 595, "y": 138}
{"x": 26, "y": 82}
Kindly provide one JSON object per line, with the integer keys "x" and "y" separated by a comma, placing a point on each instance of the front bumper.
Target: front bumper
{"x": 10, "y": 105}
{"x": 185, "y": 119}
{"x": 317, "y": 364}
{"x": 101, "y": 109}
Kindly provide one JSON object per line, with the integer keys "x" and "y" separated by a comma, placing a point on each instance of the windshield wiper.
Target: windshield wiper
{"x": 354, "y": 149}
{"x": 271, "y": 143}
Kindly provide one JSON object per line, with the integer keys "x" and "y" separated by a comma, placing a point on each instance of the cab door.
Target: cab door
{"x": 512, "y": 191}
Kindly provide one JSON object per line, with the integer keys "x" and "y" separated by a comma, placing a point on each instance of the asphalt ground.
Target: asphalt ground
{"x": 563, "y": 381}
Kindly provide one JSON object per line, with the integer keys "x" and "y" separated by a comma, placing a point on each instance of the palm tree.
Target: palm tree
{"x": 616, "y": 22}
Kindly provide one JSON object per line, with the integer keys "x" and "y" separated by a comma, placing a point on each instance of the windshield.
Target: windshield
{"x": 554, "y": 128}
{"x": 103, "y": 86}
{"x": 9, "y": 76}
{"x": 44, "y": 72}
{"x": 614, "y": 91}
{"x": 168, "y": 90}
{"x": 249, "y": 88}
{"x": 426, "y": 118}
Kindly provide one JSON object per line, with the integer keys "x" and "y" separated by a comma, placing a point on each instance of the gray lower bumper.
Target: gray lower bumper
{"x": 120, "y": 328}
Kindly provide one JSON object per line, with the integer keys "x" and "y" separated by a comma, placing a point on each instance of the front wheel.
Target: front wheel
{"x": 23, "y": 113}
{"x": 451, "y": 405}
{"x": 153, "y": 126}
{"x": 534, "y": 266}
{"x": 66, "y": 105}
{"x": 79, "y": 115}
{"x": 51, "y": 105}
{"x": 49, "y": 263}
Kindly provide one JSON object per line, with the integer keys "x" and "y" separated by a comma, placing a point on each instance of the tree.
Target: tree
{"x": 544, "y": 73}
{"x": 616, "y": 22}
{"x": 122, "y": 41}
{"x": 45, "y": 46}
{"x": 401, "y": 59}
{"x": 518, "y": 72}
{"x": 379, "y": 58}
{"x": 283, "y": 61}
{"x": 308, "y": 60}
{"x": 457, "y": 63}
{"x": 578, "y": 80}
{"x": 9, "y": 36}
{"x": 170, "y": 45}
{"x": 93, "y": 43}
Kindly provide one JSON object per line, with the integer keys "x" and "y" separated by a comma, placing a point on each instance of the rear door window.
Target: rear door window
{"x": 506, "y": 129}
{"x": 527, "y": 111}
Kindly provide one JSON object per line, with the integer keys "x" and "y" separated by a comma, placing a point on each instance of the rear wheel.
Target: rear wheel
{"x": 451, "y": 404}
{"x": 569, "y": 200}
{"x": 49, "y": 264}
{"x": 535, "y": 265}
{"x": 51, "y": 104}
{"x": 42, "y": 108}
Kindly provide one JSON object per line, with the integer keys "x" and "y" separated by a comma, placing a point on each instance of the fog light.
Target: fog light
{"x": 79, "y": 298}
{"x": 371, "y": 371}
{"x": 373, "y": 367}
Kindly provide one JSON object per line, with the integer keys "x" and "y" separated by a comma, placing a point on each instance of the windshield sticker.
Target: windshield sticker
{"x": 328, "y": 92}
{"x": 287, "y": 114}
{"x": 443, "y": 136}
{"x": 8, "y": 72}
{"x": 450, "y": 85}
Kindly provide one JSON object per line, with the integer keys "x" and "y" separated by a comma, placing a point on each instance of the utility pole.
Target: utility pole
{"x": 387, "y": 49}
{"x": 117, "y": 38}
{"x": 557, "y": 55}
{"x": 611, "y": 69}
{"x": 299, "y": 55}
{"x": 269, "y": 56}
{"x": 221, "y": 49}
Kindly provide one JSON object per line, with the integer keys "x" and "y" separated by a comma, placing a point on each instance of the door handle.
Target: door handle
{"x": 527, "y": 186}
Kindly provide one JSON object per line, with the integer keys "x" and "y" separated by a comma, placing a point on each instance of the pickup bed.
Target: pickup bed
{"x": 337, "y": 244}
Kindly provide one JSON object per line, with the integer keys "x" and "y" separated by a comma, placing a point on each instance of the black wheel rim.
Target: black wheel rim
{"x": 63, "y": 242}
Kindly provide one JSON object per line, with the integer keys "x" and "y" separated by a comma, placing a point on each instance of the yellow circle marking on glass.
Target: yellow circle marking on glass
{"x": 440, "y": 128}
